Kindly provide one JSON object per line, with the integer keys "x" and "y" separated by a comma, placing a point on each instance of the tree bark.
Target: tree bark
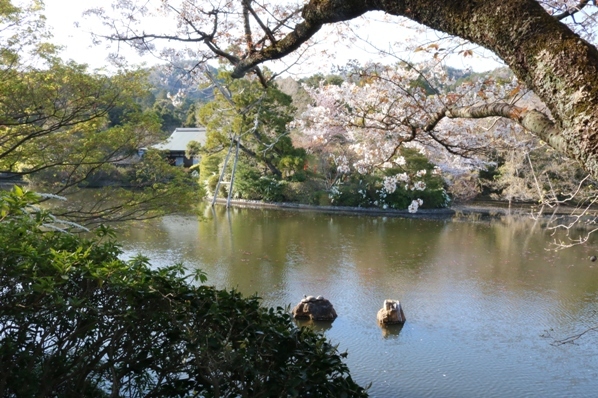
{"x": 559, "y": 66}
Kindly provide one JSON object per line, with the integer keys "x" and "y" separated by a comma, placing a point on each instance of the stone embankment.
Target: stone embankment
{"x": 470, "y": 211}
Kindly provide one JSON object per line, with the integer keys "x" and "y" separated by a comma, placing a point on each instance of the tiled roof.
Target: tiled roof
{"x": 181, "y": 137}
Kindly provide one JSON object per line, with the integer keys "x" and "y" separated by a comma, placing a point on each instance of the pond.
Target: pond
{"x": 483, "y": 300}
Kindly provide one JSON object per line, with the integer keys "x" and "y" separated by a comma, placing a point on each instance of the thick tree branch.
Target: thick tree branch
{"x": 533, "y": 121}
{"x": 554, "y": 62}
{"x": 315, "y": 14}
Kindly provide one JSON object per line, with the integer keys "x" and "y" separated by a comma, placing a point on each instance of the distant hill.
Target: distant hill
{"x": 174, "y": 78}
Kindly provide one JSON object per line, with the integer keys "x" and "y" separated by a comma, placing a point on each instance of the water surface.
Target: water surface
{"x": 483, "y": 301}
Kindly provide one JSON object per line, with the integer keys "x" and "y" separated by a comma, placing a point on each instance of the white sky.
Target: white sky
{"x": 62, "y": 15}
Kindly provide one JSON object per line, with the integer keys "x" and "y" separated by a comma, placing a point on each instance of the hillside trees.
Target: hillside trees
{"x": 175, "y": 95}
{"x": 62, "y": 125}
{"x": 532, "y": 37}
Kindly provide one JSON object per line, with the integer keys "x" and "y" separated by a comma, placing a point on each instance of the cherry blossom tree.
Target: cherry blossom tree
{"x": 548, "y": 44}
{"x": 385, "y": 109}
{"x": 372, "y": 116}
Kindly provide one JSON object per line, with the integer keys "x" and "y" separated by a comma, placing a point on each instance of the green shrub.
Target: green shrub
{"x": 251, "y": 184}
{"x": 322, "y": 198}
{"x": 209, "y": 167}
{"x": 75, "y": 320}
{"x": 302, "y": 192}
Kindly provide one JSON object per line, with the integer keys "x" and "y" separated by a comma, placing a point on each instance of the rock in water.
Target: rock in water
{"x": 391, "y": 313}
{"x": 315, "y": 308}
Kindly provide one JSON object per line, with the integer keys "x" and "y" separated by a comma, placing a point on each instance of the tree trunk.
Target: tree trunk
{"x": 559, "y": 66}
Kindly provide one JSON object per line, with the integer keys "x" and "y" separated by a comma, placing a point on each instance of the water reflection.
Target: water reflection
{"x": 391, "y": 331}
{"x": 320, "y": 326}
{"x": 478, "y": 296}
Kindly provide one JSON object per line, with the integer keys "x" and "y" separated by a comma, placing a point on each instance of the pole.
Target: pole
{"x": 222, "y": 173}
{"x": 232, "y": 177}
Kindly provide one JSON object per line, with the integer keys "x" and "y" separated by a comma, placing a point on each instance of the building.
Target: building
{"x": 176, "y": 145}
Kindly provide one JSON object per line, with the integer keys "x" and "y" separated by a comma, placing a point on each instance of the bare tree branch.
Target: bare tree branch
{"x": 315, "y": 15}
{"x": 572, "y": 11}
{"x": 267, "y": 31}
{"x": 573, "y": 338}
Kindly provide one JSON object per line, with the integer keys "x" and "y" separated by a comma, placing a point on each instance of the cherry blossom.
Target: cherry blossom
{"x": 383, "y": 110}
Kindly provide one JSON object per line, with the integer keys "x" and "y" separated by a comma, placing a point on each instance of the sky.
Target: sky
{"x": 63, "y": 15}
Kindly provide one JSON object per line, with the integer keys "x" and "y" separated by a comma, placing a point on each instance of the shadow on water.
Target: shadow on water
{"x": 391, "y": 331}
{"x": 318, "y": 326}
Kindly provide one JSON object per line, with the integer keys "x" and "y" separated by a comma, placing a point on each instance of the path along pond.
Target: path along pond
{"x": 483, "y": 300}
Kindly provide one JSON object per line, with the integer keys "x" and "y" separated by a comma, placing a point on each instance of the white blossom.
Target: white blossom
{"x": 373, "y": 119}
{"x": 413, "y": 207}
{"x": 400, "y": 161}
{"x": 419, "y": 186}
{"x": 390, "y": 184}
{"x": 403, "y": 177}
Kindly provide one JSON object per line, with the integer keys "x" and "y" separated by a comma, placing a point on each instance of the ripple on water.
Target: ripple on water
{"x": 483, "y": 302}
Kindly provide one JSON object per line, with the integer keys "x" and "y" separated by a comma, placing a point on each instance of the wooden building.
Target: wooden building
{"x": 176, "y": 145}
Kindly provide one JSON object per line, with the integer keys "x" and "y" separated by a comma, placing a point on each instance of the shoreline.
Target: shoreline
{"x": 484, "y": 210}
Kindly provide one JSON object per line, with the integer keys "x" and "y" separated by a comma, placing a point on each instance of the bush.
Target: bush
{"x": 369, "y": 191}
{"x": 251, "y": 184}
{"x": 75, "y": 320}
{"x": 303, "y": 192}
{"x": 209, "y": 167}
{"x": 395, "y": 185}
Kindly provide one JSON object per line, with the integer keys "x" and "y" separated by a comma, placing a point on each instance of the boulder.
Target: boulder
{"x": 391, "y": 313}
{"x": 314, "y": 308}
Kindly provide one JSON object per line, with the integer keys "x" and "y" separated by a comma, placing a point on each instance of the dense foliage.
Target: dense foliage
{"x": 64, "y": 127}
{"x": 258, "y": 116}
{"x": 75, "y": 320}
